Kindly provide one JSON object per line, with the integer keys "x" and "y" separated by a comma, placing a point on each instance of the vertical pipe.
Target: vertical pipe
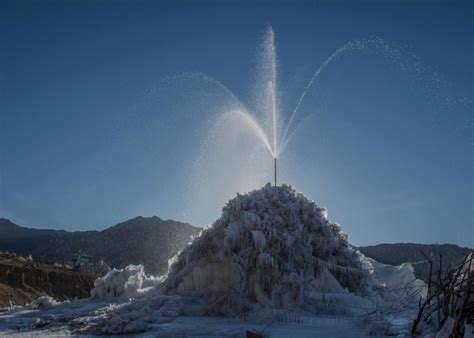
{"x": 275, "y": 171}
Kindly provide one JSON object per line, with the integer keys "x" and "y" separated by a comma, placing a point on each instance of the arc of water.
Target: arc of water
{"x": 252, "y": 122}
{"x": 290, "y": 135}
{"x": 310, "y": 83}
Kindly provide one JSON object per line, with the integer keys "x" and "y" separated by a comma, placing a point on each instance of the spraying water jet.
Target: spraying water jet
{"x": 243, "y": 139}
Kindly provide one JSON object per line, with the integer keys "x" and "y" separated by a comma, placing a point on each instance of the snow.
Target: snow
{"x": 44, "y": 302}
{"x": 259, "y": 240}
{"x": 81, "y": 317}
{"x": 428, "y": 326}
{"x": 395, "y": 282}
{"x": 468, "y": 330}
{"x": 447, "y": 328}
{"x": 153, "y": 313}
{"x": 123, "y": 283}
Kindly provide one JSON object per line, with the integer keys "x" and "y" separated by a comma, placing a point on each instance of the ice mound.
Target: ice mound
{"x": 44, "y": 303}
{"x": 396, "y": 282}
{"x": 124, "y": 284}
{"x": 272, "y": 247}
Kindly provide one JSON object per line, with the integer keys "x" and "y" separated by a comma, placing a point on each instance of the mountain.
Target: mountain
{"x": 398, "y": 253}
{"x": 148, "y": 241}
{"x": 152, "y": 241}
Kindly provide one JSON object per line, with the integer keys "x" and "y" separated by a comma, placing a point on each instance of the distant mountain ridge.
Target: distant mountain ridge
{"x": 149, "y": 241}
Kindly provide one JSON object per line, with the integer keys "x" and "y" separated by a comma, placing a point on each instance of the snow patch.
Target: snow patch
{"x": 124, "y": 284}
{"x": 43, "y": 303}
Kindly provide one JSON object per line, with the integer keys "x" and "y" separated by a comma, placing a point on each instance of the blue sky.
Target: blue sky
{"x": 87, "y": 140}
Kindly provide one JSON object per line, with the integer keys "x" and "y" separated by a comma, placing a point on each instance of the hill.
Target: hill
{"x": 152, "y": 241}
{"x": 148, "y": 241}
{"x": 23, "y": 280}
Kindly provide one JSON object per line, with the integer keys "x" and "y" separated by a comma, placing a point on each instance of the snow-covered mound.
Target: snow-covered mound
{"x": 395, "y": 282}
{"x": 272, "y": 247}
{"x": 44, "y": 302}
{"x": 126, "y": 283}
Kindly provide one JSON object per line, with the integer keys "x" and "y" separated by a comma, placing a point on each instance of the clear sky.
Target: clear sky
{"x": 389, "y": 150}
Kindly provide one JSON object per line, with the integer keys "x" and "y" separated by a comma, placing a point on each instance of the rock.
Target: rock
{"x": 22, "y": 281}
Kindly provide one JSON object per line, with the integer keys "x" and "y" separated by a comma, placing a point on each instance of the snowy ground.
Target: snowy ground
{"x": 153, "y": 314}
{"x": 149, "y": 315}
{"x": 62, "y": 319}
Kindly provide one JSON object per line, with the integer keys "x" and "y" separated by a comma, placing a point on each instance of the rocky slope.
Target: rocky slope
{"x": 23, "y": 280}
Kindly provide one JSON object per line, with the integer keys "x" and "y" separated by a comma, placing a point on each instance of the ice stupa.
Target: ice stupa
{"x": 271, "y": 247}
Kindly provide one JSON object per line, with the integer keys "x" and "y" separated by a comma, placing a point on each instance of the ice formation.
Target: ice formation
{"x": 272, "y": 247}
{"x": 395, "y": 282}
{"x": 125, "y": 284}
{"x": 43, "y": 303}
